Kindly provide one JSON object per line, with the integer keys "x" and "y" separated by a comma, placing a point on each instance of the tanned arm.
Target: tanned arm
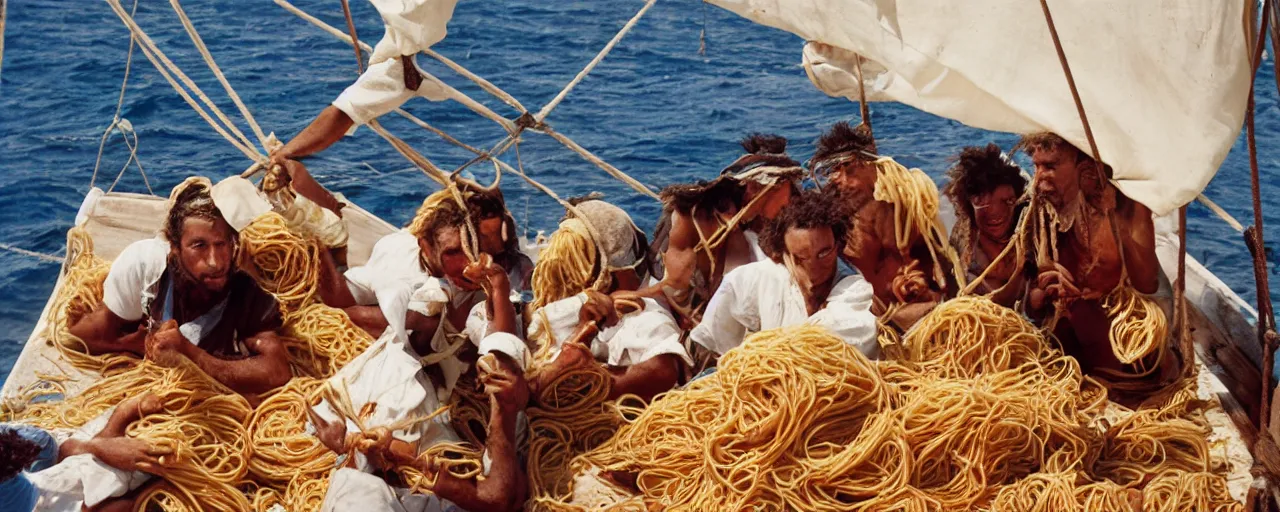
{"x": 680, "y": 259}
{"x": 1138, "y": 232}
{"x": 332, "y": 285}
{"x": 307, "y": 186}
{"x": 368, "y": 318}
{"x": 326, "y": 129}
{"x": 653, "y": 376}
{"x": 506, "y": 486}
{"x": 266, "y": 369}
{"x": 103, "y": 332}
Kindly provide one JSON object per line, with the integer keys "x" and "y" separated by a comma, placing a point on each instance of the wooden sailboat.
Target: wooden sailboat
{"x": 1223, "y": 325}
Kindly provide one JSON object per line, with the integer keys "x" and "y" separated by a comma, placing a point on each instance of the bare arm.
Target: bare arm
{"x": 332, "y": 285}
{"x": 862, "y": 252}
{"x": 1139, "y": 246}
{"x": 500, "y": 311}
{"x": 680, "y": 259}
{"x": 326, "y": 129}
{"x": 101, "y": 331}
{"x": 307, "y": 186}
{"x": 656, "y": 375}
{"x": 266, "y": 369}
{"x": 368, "y": 318}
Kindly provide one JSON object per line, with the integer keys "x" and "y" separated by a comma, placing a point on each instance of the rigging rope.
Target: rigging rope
{"x": 117, "y": 122}
{"x": 513, "y": 129}
{"x": 542, "y": 114}
{"x": 169, "y": 70}
{"x": 217, "y": 72}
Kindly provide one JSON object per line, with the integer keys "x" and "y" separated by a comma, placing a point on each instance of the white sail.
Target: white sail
{"x": 1164, "y": 83}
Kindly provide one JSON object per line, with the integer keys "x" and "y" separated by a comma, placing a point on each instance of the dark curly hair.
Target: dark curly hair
{"x": 762, "y": 148}
{"x": 16, "y": 453}
{"x": 811, "y": 209}
{"x": 842, "y": 138}
{"x": 980, "y": 170}
{"x": 194, "y": 201}
{"x": 716, "y": 195}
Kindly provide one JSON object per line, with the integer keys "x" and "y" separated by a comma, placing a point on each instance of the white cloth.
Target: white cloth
{"x": 394, "y": 280}
{"x": 762, "y": 295}
{"x": 380, "y": 89}
{"x": 753, "y": 241}
{"x": 394, "y": 258}
{"x": 239, "y": 201}
{"x": 411, "y": 26}
{"x": 309, "y": 218}
{"x": 350, "y": 489}
{"x": 134, "y": 278}
{"x": 83, "y": 479}
{"x": 387, "y": 373}
{"x": 1164, "y": 84}
{"x": 637, "y": 337}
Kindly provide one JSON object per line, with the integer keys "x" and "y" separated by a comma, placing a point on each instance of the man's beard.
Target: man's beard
{"x": 190, "y": 284}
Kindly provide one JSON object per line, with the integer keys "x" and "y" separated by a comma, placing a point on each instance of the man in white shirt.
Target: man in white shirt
{"x": 800, "y": 283}
{"x": 384, "y": 377}
{"x": 183, "y": 294}
{"x": 420, "y": 283}
{"x": 636, "y": 339}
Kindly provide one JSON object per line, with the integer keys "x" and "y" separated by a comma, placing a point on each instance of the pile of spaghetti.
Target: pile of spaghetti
{"x": 320, "y": 339}
{"x": 982, "y": 413}
{"x": 83, "y": 275}
{"x": 201, "y": 422}
{"x": 225, "y": 451}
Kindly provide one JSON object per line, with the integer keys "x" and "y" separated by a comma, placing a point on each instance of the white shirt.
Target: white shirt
{"x": 636, "y": 338}
{"x": 411, "y": 26}
{"x": 134, "y": 278}
{"x": 762, "y": 295}
{"x": 394, "y": 280}
{"x": 380, "y": 89}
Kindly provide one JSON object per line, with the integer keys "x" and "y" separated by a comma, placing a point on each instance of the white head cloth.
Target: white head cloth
{"x": 616, "y": 231}
{"x": 239, "y": 201}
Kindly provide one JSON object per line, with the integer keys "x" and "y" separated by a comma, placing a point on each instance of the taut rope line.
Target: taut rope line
{"x": 536, "y": 125}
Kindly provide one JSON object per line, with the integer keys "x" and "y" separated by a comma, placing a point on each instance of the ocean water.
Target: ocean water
{"x": 655, "y": 108}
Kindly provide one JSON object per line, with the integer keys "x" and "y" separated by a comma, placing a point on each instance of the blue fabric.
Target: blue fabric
{"x": 703, "y": 373}
{"x": 18, "y": 495}
{"x": 48, "y": 446}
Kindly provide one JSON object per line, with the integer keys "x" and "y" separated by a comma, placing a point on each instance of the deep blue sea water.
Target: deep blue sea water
{"x": 655, "y": 108}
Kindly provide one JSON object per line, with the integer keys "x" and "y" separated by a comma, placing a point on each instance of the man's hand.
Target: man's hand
{"x": 489, "y": 275}
{"x": 627, "y": 302}
{"x": 129, "y": 454}
{"x": 572, "y": 355}
{"x": 910, "y": 285}
{"x": 599, "y": 309}
{"x": 1057, "y": 283}
{"x": 504, "y": 382}
{"x": 331, "y": 434}
{"x": 166, "y": 343}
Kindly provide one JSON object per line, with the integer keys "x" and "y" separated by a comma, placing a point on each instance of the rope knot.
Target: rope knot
{"x": 528, "y": 121}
